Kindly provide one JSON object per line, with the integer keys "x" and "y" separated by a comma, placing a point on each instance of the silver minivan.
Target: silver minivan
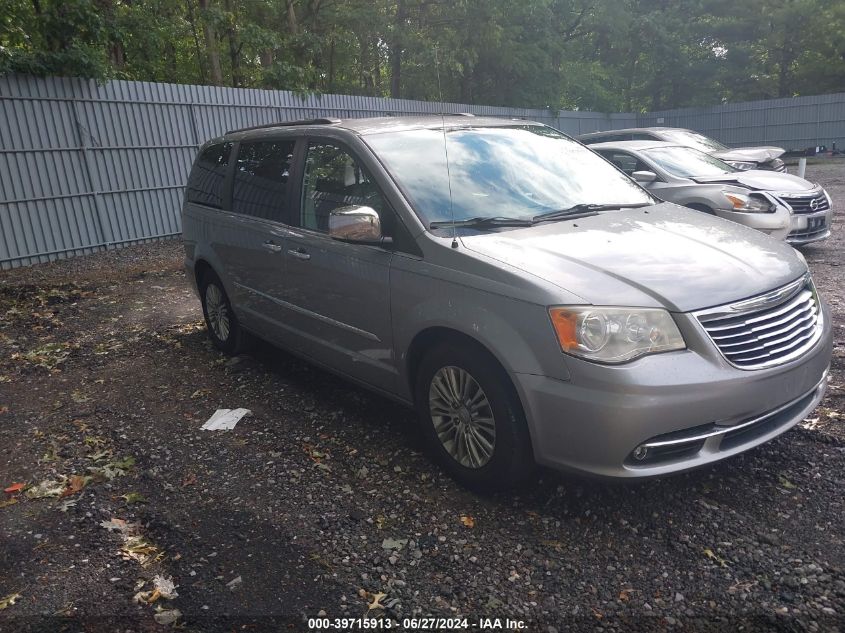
{"x": 533, "y": 303}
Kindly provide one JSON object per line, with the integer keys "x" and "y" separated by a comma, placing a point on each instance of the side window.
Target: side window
{"x": 260, "y": 186}
{"x": 205, "y": 184}
{"x": 334, "y": 179}
{"x": 643, "y": 136}
{"x": 625, "y": 162}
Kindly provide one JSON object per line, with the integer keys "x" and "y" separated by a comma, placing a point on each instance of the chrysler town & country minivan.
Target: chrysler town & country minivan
{"x": 532, "y": 302}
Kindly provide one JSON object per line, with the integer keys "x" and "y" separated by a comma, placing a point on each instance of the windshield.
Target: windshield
{"x": 507, "y": 172}
{"x": 686, "y": 162}
{"x": 693, "y": 139}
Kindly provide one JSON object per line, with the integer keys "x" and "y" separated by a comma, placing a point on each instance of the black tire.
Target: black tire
{"x": 227, "y": 339}
{"x": 512, "y": 459}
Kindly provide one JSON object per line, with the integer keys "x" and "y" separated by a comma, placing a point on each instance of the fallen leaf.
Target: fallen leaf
{"x": 67, "y": 504}
{"x": 8, "y": 502}
{"x": 785, "y": 483}
{"x": 9, "y": 600}
{"x": 712, "y": 556}
{"x": 95, "y": 457}
{"x": 468, "y": 521}
{"x": 17, "y": 487}
{"x": 140, "y": 549}
{"x": 190, "y": 480}
{"x": 47, "y": 488}
{"x": 75, "y": 484}
{"x": 625, "y": 594}
{"x": 134, "y": 497}
{"x": 169, "y": 616}
{"x": 376, "y": 603}
{"x": 117, "y": 468}
{"x": 163, "y": 587}
{"x": 115, "y": 524}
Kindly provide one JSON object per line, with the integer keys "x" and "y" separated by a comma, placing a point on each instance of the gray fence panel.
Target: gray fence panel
{"x": 85, "y": 166}
{"x": 793, "y": 123}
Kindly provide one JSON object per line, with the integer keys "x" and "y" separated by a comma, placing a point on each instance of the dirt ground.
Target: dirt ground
{"x": 322, "y": 503}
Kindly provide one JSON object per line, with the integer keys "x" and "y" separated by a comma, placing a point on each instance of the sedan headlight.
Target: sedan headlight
{"x": 747, "y": 202}
{"x": 741, "y": 165}
{"x": 615, "y": 335}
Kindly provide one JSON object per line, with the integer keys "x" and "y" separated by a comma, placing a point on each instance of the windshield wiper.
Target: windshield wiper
{"x": 584, "y": 209}
{"x": 481, "y": 222}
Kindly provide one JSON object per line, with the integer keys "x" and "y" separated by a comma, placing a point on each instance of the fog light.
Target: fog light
{"x": 640, "y": 453}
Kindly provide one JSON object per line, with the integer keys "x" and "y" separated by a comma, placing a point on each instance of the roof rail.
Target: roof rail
{"x": 320, "y": 121}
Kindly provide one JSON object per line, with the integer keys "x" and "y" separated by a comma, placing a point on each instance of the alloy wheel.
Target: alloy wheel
{"x": 462, "y": 417}
{"x": 218, "y": 312}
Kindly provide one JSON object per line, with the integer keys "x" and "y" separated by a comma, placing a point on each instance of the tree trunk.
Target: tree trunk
{"x": 193, "y": 22}
{"x": 291, "y": 16}
{"x": 211, "y": 46}
{"x": 234, "y": 46}
{"x": 396, "y": 50}
{"x": 331, "y": 66}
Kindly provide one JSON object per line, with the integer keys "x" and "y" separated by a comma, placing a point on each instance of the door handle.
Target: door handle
{"x": 270, "y": 245}
{"x": 299, "y": 253}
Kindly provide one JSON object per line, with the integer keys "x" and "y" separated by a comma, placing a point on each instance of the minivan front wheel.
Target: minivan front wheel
{"x": 472, "y": 418}
{"x": 222, "y": 325}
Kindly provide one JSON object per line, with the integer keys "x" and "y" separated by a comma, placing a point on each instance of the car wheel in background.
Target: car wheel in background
{"x": 472, "y": 418}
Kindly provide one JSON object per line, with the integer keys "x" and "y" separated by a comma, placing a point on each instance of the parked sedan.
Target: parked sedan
{"x": 742, "y": 158}
{"x": 532, "y": 302}
{"x": 782, "y": 205}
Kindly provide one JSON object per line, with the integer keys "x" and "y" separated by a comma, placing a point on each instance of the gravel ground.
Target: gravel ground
{"x": 322, "y": 503}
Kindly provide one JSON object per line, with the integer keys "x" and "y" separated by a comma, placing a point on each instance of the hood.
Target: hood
{"x": 751, "y": 154}
{"x": 762, "y": 180}
{"x": 660, "y": 256}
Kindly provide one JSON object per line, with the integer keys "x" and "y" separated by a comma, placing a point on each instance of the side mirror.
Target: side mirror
{"x": 356, "y": 224}
{"x": 644, "y": 177}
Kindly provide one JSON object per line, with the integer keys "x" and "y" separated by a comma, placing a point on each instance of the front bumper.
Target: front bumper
{"x": 810, "y": 227}
{"x": 692, "y": 406}
{"x": 777, "y": 224}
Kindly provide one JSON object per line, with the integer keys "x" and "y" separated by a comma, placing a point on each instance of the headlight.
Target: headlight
{"x": 614, "y": 335}
{"x": 748, "y": 203}
{"x": 741, "y": 165}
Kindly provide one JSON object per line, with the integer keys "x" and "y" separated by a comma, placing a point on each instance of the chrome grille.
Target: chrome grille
{"x": 787, "y": 325}
{"x": 804, "y": 204}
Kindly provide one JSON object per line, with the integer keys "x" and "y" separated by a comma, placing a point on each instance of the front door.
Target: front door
{"x": 338, "y": 293}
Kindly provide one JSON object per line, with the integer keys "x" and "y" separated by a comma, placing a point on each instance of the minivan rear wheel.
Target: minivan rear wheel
{"x": 222, "y": 324}
{"x": 472, "y": 419}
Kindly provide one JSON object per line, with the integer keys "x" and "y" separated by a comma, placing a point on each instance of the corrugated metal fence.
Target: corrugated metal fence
{"x": 794, "y": 123}
{"x": 84, "y": 167}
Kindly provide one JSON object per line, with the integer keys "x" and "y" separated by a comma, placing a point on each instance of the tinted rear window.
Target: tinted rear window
{"x": 262, "y": 172}
{"x": 205, "y": 184}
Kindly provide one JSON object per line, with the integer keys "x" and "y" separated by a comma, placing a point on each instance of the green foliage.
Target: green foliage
{"x": 610, "y": 55}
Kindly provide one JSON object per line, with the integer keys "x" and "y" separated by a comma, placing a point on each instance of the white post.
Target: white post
{"x": 802, "y": 167}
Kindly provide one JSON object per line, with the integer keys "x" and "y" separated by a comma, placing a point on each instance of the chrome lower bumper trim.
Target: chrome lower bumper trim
{"x": 723, "y": 430}
{"x": 809, "y": 239}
